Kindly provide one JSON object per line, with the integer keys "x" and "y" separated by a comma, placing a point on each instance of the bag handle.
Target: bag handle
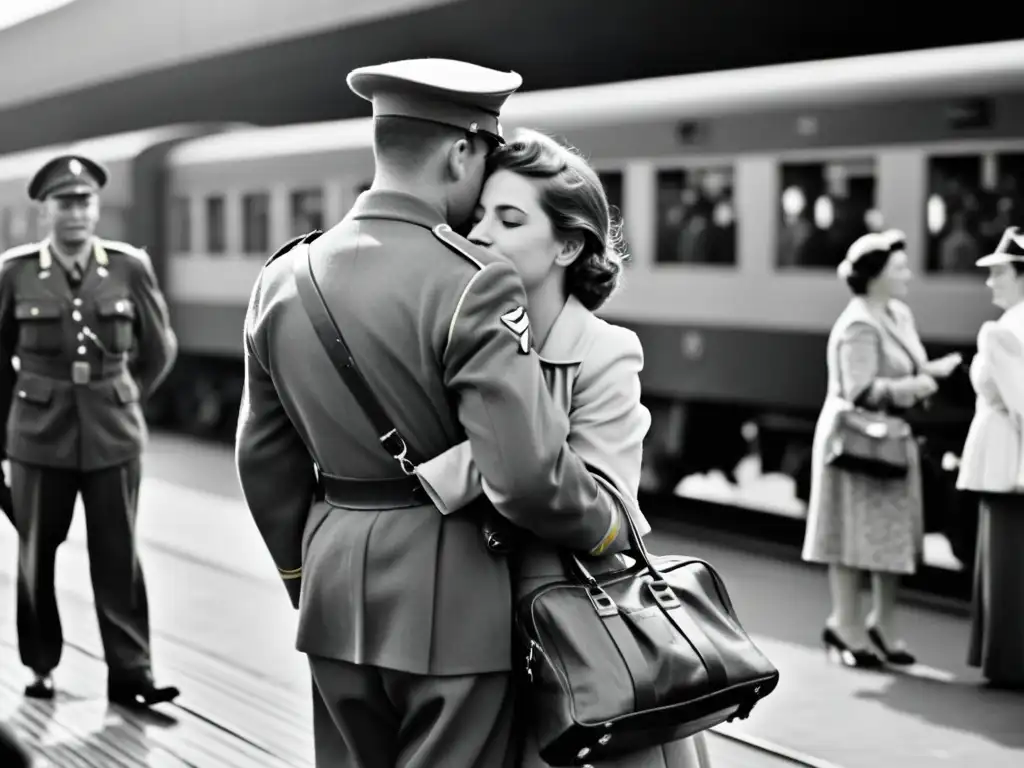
{"x": 637, "y": 547}
{"x": 341, "y": 357}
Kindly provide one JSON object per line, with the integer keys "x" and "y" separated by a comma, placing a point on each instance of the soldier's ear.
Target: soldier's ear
{"x": 460, "y": 153}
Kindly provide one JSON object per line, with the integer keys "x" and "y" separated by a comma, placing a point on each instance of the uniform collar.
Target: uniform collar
{"x": 566, "y": 343}
{"x": 397, "y": 206}
{"x": 47, "y": 255}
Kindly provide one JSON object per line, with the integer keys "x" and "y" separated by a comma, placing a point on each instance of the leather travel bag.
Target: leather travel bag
{"x": 634, "y": 658}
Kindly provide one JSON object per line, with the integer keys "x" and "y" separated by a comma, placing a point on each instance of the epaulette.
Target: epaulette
{"x": 20, "y": 251}
{"x": 473, "y": 253}
{"x": 126, "y": 248}
{"x": 309, "y": 237}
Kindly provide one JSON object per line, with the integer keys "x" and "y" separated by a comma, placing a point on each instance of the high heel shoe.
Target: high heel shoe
{"x": 899, "y": 657}
{"x": 860, "y": 658}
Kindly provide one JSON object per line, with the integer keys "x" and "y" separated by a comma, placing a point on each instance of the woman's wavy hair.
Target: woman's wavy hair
{"x": 574, "y": 199}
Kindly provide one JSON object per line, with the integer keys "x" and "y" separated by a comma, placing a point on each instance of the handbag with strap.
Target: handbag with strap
{"x": 635, "y": 658}
{"x": 872, "y": 442}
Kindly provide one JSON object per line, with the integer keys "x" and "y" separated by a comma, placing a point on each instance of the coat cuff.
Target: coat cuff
{"x": 451, "y": 479}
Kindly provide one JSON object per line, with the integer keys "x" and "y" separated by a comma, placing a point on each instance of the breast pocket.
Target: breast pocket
{"x": 39, "y": 325}
{"x": 116, "y": 321}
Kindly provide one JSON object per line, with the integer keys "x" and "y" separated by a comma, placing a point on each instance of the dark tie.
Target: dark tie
{"x": 76, "y": 273}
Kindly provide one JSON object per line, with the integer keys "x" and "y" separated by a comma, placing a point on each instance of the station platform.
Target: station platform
{"x": 223, "y": 631}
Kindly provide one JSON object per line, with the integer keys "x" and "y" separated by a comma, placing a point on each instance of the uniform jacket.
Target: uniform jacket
{"x": 593, "y": 371}
{"x": 993, "y": 456}
{"x": 47, "y": 324}
{"x": 405, "y": 589}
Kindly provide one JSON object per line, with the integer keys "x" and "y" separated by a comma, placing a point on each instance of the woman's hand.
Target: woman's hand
{"x": 923, "y": 386}
{"x": 944, "y": 366}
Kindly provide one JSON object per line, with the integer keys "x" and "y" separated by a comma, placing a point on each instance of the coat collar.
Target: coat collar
{"x": 1014, "y": 316}
{"x": 569, "y": 337}
{"x": 396, "y": 206}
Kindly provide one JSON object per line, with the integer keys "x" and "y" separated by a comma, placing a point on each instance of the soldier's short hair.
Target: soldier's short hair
{"x": 406, "y": 143}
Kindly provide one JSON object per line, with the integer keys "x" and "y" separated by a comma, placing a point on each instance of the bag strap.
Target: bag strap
{"x": 341, "y": 357}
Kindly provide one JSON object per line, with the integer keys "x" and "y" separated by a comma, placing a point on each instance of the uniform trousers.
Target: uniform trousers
{"x": 370, "y": 717}
{"x": 44, "y": 502}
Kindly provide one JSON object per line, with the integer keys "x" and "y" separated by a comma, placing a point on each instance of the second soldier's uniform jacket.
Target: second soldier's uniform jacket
{"x": 421, "y": 310}
{"x": 88, "y": 355}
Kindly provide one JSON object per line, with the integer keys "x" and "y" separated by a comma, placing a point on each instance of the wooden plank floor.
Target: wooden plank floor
{"x": 222, "y": 631}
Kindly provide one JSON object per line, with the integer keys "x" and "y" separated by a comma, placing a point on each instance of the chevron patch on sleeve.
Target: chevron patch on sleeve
{"x": 518, "y": 322}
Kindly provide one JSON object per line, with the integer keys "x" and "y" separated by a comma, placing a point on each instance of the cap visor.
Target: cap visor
{"x": 66, "y": 190}
{"x": 996, "y": 258}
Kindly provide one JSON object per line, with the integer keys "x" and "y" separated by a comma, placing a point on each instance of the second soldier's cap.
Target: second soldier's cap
{"x": 444, "y": 91}
{"x": 67, "y": 175}
{"x": 1010, "y": 249}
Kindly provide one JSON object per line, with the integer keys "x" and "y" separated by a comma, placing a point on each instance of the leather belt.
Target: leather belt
{"x": 76, "y": 371}
{"x": 372, "y": 495}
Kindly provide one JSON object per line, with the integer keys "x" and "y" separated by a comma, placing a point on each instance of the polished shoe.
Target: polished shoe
{"x": 899, "y": 657}
{"x": 860, "y": 658}
{"x": 40, "y": 688}
{"x": 140, "y": 693}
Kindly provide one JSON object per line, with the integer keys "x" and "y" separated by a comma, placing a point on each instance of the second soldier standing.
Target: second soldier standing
{"x": 91, "y": 332}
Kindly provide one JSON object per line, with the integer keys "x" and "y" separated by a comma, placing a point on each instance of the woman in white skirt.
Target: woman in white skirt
{"x": 856, "y": 522}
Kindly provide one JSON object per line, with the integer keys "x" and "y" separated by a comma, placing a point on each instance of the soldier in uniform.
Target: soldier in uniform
{"x": 405, "y": 614}
{"x": 91, "y": 333}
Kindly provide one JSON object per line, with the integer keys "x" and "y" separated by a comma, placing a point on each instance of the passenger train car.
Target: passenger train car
{"x": 739, "y": 193}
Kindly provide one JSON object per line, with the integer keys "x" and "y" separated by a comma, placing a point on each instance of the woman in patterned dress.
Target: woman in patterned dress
{"x": 855, "y": 522}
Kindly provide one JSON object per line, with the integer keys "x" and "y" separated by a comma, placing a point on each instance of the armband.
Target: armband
{"x": 609, "y": 537}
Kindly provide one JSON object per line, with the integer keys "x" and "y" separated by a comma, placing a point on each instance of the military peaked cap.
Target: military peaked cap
{"x": 444, "y": 91}
{"x": 67, "y": 175}
{"x": 1010, "y": 248}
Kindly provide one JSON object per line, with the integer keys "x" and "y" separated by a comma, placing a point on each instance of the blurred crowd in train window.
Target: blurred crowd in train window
{"x": 823, "y": 208}
{"x": 972, "y": 200}
{"x": 696, "y": 216}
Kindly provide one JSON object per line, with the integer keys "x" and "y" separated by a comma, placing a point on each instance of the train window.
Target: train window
{"x": 255, "y": 222}
{"x": 823, "y": 208}
{"x": 180, "y": 225}
{"x": 696, "y": 216}
{"x": 215, "y": 242}
{"x": 613, "y": 189}
{"x": 307, "y": 211}
{"x": 972, "y": 199}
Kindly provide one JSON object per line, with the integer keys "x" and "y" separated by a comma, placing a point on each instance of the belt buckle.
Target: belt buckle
{"x": 81, "y": 372}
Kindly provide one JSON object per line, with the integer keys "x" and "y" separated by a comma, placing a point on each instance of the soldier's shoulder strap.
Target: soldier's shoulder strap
{"x": 475, "y": 254}
{"x": 126, "y": 248}
{"x": 136, "y": 254}
{"x": 309, "y": 237}
{"x": 20, "y": 252}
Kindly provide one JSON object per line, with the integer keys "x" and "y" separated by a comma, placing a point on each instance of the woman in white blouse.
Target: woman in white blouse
{"x": 993, "y": 466}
